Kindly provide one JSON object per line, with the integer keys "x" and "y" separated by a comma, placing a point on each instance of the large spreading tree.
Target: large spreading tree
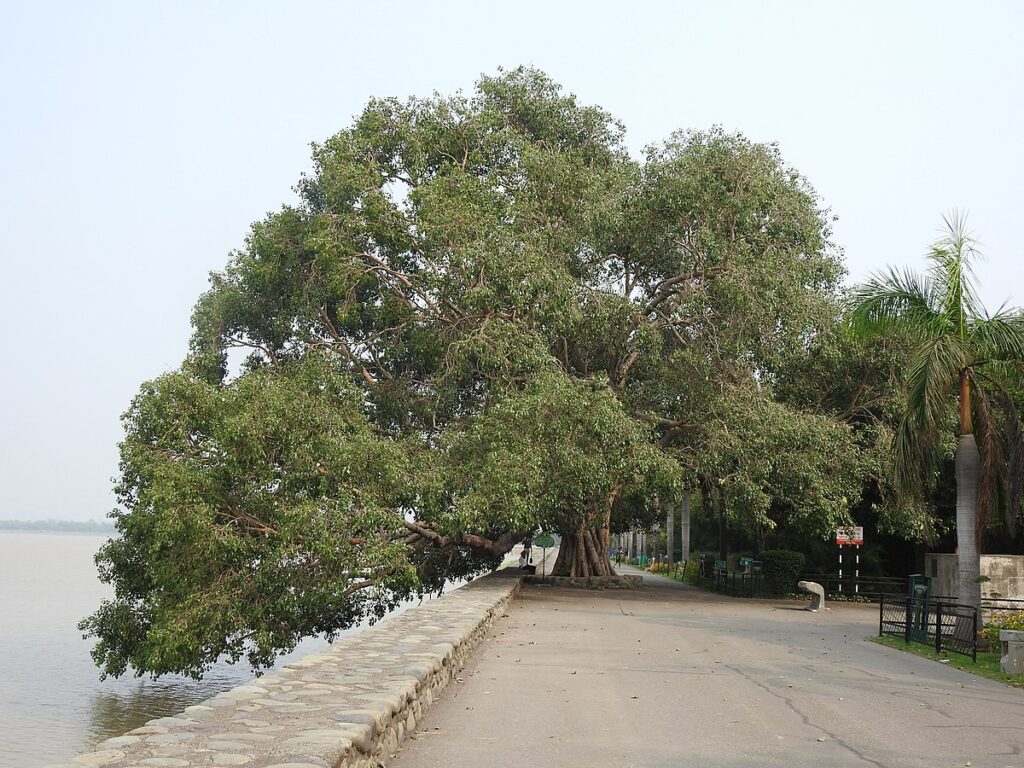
{"x": 480, "y": 319}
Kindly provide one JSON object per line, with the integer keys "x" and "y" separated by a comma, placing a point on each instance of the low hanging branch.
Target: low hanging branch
{"x": 497, "y": 548}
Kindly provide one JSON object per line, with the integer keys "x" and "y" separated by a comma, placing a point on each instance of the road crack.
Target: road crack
{"x": 804, "y": 718}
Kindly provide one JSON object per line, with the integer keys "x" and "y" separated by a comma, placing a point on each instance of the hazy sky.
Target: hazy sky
{"x": 140, "y": 139}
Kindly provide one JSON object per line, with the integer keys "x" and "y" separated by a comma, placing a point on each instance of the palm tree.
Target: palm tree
{"x": 957, "y": 346}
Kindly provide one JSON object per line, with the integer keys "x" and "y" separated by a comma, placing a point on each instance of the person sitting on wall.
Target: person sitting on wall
{"x": 526, "y": 562}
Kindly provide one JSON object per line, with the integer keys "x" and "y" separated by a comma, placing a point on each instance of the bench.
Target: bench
{"x": 817, "y": 594}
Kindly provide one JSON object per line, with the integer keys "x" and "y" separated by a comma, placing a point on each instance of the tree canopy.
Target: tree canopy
{"x": 481, "y": 318}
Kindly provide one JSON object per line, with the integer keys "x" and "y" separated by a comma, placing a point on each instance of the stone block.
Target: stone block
{"x": 1012, "y": 660}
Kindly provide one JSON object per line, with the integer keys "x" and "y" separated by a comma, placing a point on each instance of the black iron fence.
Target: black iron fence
{"x": 868, "y": 587}
{"x": 942, "y": 625}
{"x": 736, "y": 583}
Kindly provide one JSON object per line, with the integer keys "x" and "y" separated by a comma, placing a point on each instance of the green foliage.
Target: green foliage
{"x": 767, "y": 465}
{"x": 557, "y": 454}
{"x": 482, "y": 318}
{"x": 859, "y": 381}
{"x": 1013, "y": 620}
{"x": 691, "y": 574}
{"x": 253, "y": 514}
{"x": 781, "y": 569}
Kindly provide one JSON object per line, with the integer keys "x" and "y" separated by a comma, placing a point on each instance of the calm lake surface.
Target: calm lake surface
{"x": 52, "y": 704}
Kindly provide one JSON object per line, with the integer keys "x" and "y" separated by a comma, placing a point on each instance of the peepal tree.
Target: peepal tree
{"x": 481, "y": 318}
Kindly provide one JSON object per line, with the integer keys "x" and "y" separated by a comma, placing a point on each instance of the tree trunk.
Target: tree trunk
{"x": 583, "y": 553}
{"x": 968, "y": 562}
{"x": 723, "y": 531}
{"x": 670, "y": 533}
{"x": 684, "y": 526}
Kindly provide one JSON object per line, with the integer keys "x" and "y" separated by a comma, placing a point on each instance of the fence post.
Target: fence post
{"x": 881, "y": 609}
{"x": 974, "y": 636}
{"x": 938, "y": 627}
{"x": 906, "y": 625}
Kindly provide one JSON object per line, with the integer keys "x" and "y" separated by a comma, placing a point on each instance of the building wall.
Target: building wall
{"x": 1005, "y": 573}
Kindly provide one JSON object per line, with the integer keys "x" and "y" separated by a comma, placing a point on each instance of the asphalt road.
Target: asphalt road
{"x": 672, "y": 676}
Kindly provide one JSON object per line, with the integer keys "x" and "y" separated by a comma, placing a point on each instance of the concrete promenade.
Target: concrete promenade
{"x": 673, "y": 676}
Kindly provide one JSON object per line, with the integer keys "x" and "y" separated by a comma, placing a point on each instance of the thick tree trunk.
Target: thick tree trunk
{"x": 968, "y": 562}
{"x": 584, "y": 553}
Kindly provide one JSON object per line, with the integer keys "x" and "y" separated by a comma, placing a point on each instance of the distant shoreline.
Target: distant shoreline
{"x": 57, "y": 526}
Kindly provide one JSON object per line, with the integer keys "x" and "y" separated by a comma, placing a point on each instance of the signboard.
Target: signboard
{"x": 850, "y": 535}
{"x": 544, "y": 540}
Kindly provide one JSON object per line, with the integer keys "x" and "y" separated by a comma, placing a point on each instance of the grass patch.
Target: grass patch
{"x": 986, "y": 666}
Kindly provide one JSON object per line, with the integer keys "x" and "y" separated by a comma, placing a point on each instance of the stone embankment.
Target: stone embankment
{"x": 346, "y": 707}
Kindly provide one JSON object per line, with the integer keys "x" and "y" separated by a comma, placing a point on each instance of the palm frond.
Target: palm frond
{"x": 891, "y": 298}
{"x": 999, "y": 336}
{"x": 1013, "y": 473}
{"x": 952, "y": 273}
{"x": 986, "y": 430}
{"x": 931, "y": 382}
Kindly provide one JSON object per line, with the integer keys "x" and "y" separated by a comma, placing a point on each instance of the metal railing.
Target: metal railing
{"x": 941, "y": 625}
{"x": 735, "y": 583}
{"x": 868, "y": 587}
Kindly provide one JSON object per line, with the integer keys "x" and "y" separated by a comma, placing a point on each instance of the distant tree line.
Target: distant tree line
{"x": 65, "y": 526}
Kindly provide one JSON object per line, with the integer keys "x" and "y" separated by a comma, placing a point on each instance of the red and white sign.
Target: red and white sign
{"x": 850, "y": 535}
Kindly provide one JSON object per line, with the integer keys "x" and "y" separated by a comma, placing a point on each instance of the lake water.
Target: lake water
{"x": 52, "y": 703}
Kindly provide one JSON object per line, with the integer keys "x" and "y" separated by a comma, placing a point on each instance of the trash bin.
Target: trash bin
{"x": 1012, "y": 660}
{"x": 919, "y": 589}
{"x": 920, "y": 586}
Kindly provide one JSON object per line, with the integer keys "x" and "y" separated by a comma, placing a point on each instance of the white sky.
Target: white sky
{"x": 139, "y": 140}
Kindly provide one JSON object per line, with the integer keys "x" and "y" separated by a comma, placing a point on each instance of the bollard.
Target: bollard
{"x": 817, "y": 594}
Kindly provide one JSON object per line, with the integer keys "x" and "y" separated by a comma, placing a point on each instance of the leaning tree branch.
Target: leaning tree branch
{"x": 496, "y": 548}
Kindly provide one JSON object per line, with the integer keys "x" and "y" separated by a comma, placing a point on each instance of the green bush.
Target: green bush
{"x": 692, "y": 573}
{"x": 781, "y": 569}
{"x": 1003, "y": 620}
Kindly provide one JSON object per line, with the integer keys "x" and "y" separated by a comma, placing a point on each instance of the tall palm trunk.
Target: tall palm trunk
{"x": 968, "y": 562}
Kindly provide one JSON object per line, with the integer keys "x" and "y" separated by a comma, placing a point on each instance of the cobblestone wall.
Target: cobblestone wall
{"x": 345, "y": 707}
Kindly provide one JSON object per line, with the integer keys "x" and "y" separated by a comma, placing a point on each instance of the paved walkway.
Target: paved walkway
{"x": 673, "y": 676}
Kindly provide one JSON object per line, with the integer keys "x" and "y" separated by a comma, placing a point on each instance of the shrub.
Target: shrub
{"x": 781, "y": 569}
{"x": 1003, "y": 620}
{"x": 692, "y": 573}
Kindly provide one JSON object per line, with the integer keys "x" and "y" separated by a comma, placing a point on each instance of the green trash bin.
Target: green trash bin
{"x": 919, "y": 590}
{"x": 920, "y": 586}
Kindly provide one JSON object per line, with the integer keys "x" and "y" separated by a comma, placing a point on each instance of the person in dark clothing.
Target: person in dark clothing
{"x": 526, "y": 562}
